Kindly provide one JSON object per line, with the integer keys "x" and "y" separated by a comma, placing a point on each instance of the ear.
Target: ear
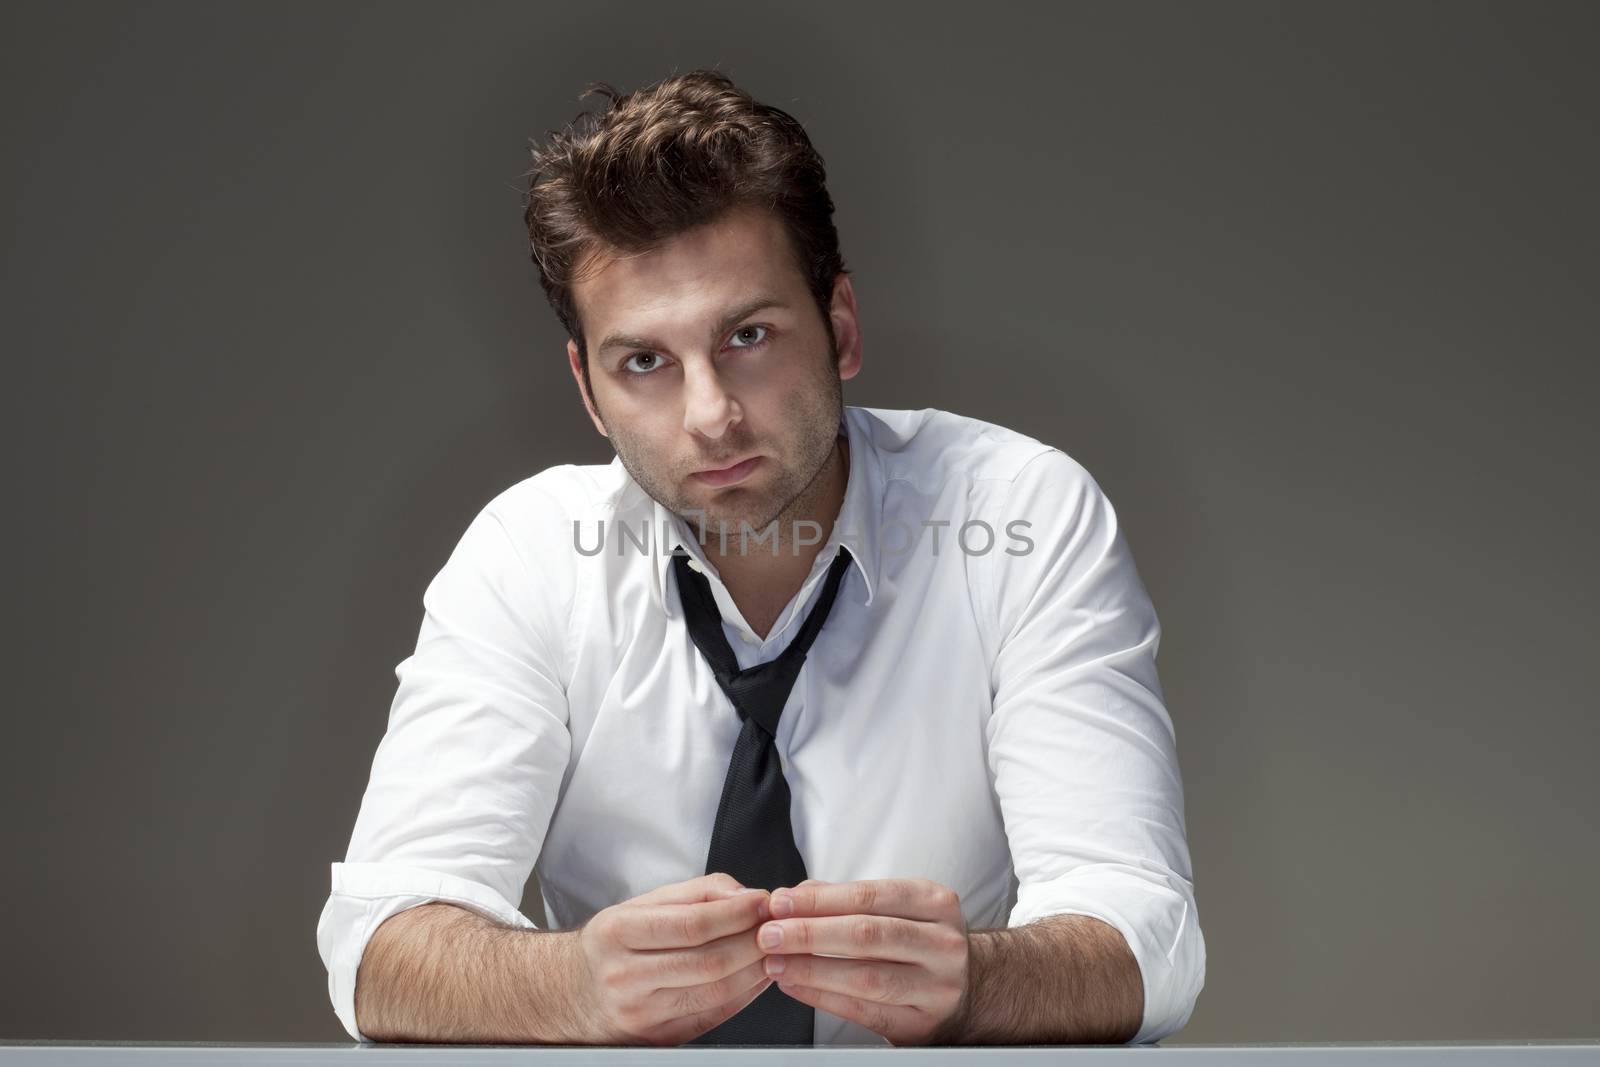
{"x": 846, "y": 326}
{"x": 576, "y": 366}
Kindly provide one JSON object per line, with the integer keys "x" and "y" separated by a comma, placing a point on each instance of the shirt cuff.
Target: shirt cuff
{"x": 365, "y": 894}
{"x": 1155, "y": 914}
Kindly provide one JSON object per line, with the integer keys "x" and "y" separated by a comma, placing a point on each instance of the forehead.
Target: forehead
{"x": 698, "y": 272}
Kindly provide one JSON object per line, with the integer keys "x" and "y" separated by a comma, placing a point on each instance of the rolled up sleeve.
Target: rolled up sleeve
{"x": 1081, "y": 747}
{"x": 467, "y": 775}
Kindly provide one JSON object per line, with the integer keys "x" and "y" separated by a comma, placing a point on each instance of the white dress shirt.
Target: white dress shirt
{"x": 990, "y": 719}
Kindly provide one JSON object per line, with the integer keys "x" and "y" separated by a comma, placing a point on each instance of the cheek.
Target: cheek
{"x": 784, "y": 388}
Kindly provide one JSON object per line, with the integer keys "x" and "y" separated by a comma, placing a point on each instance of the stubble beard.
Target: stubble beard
{"x": 795, "y": 495}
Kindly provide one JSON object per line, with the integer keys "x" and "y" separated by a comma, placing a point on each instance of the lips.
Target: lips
{"x": 729, "y": 475}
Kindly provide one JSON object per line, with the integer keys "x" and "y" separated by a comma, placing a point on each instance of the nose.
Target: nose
{"x": 708, "y": 408}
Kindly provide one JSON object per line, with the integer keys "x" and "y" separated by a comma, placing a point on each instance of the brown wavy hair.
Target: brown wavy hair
{"x": 662, "y": 160}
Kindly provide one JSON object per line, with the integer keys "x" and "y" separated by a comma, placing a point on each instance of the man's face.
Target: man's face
{"x": 689, "y": 374}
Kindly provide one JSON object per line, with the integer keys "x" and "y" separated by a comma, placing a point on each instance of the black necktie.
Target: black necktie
{"x": 752, "y": 839}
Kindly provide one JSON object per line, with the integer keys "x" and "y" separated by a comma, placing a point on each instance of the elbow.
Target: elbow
{"x": 1172, "y": 980}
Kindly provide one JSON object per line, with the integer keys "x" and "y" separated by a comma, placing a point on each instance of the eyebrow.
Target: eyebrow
{"x": 760, "y": 303}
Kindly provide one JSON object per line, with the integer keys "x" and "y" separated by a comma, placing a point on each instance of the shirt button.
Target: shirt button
{"x": 749, "y": 639}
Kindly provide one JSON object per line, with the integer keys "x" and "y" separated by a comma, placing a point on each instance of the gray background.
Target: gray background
{"x": 1308, "y": 288}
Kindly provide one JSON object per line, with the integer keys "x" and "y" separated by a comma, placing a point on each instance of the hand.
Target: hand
{"x": 665, "y": 967}
{"x": 907, "y": 978}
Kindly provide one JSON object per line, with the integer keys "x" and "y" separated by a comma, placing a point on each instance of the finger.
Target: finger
{"x": 684, "y": 1000}
{"x": 647, "y": 926}
{"x": 880, "y": 982}
{"x": 694, "y": 1024}
{"x": 706, "y": 887}
{"x": 675, "y": 968}
{"x": 908, "y": 898}
{"x": 889, "y": 1020}
{"x": 877, "y": 937}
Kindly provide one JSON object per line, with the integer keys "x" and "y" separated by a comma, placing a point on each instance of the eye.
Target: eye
{"x": 753, "y": 344}
{"x": 640, "y": 355}
{"x": 654, "y": 359}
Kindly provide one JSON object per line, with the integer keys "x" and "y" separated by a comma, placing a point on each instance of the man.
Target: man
{"x": 880, "y": 683}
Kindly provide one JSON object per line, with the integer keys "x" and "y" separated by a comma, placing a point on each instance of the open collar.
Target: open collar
{"x": 856, "y": 528}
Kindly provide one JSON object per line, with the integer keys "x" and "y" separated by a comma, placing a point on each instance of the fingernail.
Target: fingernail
{"x": 771, "y": 935}
{"x": 782, "y": 904}
{"x": 775, "y": 964}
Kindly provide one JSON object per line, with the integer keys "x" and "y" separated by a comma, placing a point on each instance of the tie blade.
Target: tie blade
{"x": 753, "y": 838}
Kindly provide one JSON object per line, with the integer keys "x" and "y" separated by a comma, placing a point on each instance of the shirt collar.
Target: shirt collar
{"x": 856, "y": 527}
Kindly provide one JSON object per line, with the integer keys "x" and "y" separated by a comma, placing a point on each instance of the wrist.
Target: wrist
{"x": 582, "y": 1002}
{"x": 955, "y": 1030}
{"x": 983, "y": 947}
{"x": 558, "y": 1004}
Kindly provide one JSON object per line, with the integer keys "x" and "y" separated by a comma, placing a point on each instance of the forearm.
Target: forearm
{"x": 439, "y": 973}
{"x": 1065, "y": 979}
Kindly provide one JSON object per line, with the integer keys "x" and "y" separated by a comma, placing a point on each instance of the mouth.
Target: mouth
{"x": 728, "y": 475}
